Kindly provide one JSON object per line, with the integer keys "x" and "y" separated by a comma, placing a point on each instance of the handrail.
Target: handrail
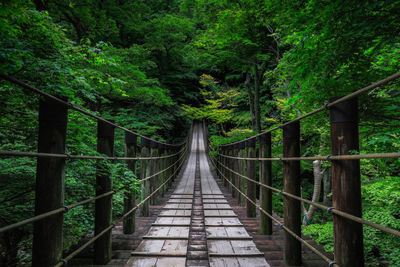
{"x": 113, "y": 224}
{"x": 68, "y": 156}
{"x": 69, "y": 207}
{"x": 328, "y": 157}
{"x": 313, "y": 249}
{"x": 316, "y": 204}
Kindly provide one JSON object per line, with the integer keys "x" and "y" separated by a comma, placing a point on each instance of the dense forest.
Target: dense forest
{"x": 244, "y": 66}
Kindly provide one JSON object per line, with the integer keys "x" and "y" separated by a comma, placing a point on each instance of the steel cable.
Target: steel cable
{"x": 313, "y": 249}
{"x": 68, "y": 207}
{"x": 331, "y": 209}
{"x": 113, "y": 224}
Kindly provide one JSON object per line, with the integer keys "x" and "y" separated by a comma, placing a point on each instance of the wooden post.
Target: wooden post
{"x": 144, "y": 172}
{"x": 50, "y": 174}
{"x": 161, "y": 149}
{"x": 229, "y": 165}
{"x": 235, "y": 168}
{"x": 130, "y": 195}
{"x": 153, "y": 170}
{"x": 251, "y": 173}
{"x": 224, "y": 170}
{"x": 291, "y": 184}
{"x": 103, "y": 206}
{"x": 265, "y": 178}
{"x": 242, "y": 170}
{"x": 346, "y": 184}
{"x": 170, "y": 161}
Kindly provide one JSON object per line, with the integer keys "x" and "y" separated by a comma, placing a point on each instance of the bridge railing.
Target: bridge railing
{"x": 235, "y": 163}
{"x": 159, "y": 165}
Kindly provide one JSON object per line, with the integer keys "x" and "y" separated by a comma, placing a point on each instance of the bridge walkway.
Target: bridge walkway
{"x": 197, "y": 226}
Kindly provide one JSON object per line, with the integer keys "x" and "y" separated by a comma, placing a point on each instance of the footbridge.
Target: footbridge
{"x": 197, "y": 204}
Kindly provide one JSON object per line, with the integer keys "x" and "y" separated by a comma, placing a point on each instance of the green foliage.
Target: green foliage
{"x": 141, "y": 63}
{"x": 322, "y": 234}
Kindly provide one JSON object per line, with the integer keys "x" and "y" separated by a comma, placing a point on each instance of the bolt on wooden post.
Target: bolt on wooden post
{"x": 291, "y": 184}
{"x": 130, "y": 194}
{"x": 50, "y": 174}
{"x": 265, "y": 178}
{"x": 346, "y": 184}
{"x": 103, "y": 206}
{"x": 144, "y": 172}
{"x": 251, "y": 173}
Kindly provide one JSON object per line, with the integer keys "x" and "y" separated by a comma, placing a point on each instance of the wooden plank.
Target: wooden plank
{"x": 253, "y": 262}
{"x": 178, "y": 206}
{"x": 224, "y": 262}
{"x": 227, "y": 213}
{"x": 168, "y": 232}
{"x": 171, "y": 262}
{"x": 213, "y": 196}
{"x": 220, "y": 221}
{"x": 140, "y": 262}
{"x": 175, "y": 213}
{"x": 244, "y": 247}
{"x": 216, "y": 232}
{"x": 228, "y": 216}
{"x": 178, "y": 231}
{"x": 172, "y": 221}
{"x": 165, "y": 248}
{"x": 150, "y": 246}
{"x": 220, "y": 246}
{"x": 235, "y": 232}
{"x": 175, "y": 246}
{"x": 209, "y": 200}
{"x": 180, "y": 200}
{"x": 236, "y": 255}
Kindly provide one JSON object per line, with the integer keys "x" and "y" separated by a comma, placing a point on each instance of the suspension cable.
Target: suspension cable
{"x": 313, "y": 249}
{"x": 113, "y": 224}
{"x": 68, "y": 207}
{"x": 68, "y": 156}
{"x": 332, "y": 210}
{"x": 329, "y": 157}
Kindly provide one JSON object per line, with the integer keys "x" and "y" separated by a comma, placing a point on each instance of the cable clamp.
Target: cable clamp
{"x": 64, "y": 261}
{"x": 66, "y": 208}
{"x": 281, "y": 226}
{"x": 280, "y": 192}
{"x": 328, "y": 157}
{"x": 70, "y": 105}
{"x": 329, "y": 210}
{"x": 280, "y": 159}
{"x": 68, "y": 155}
{"x": 331, "y": 264}
{"x": 326, "y": 107}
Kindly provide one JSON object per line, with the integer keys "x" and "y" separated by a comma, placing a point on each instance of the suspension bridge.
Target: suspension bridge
{"x": 198, "y": 205}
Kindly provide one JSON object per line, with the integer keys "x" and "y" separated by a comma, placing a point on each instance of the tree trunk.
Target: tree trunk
{"x": 251, "y": 100}
{"x": 257, "y": 115}
{"x": 308, "y": 215}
